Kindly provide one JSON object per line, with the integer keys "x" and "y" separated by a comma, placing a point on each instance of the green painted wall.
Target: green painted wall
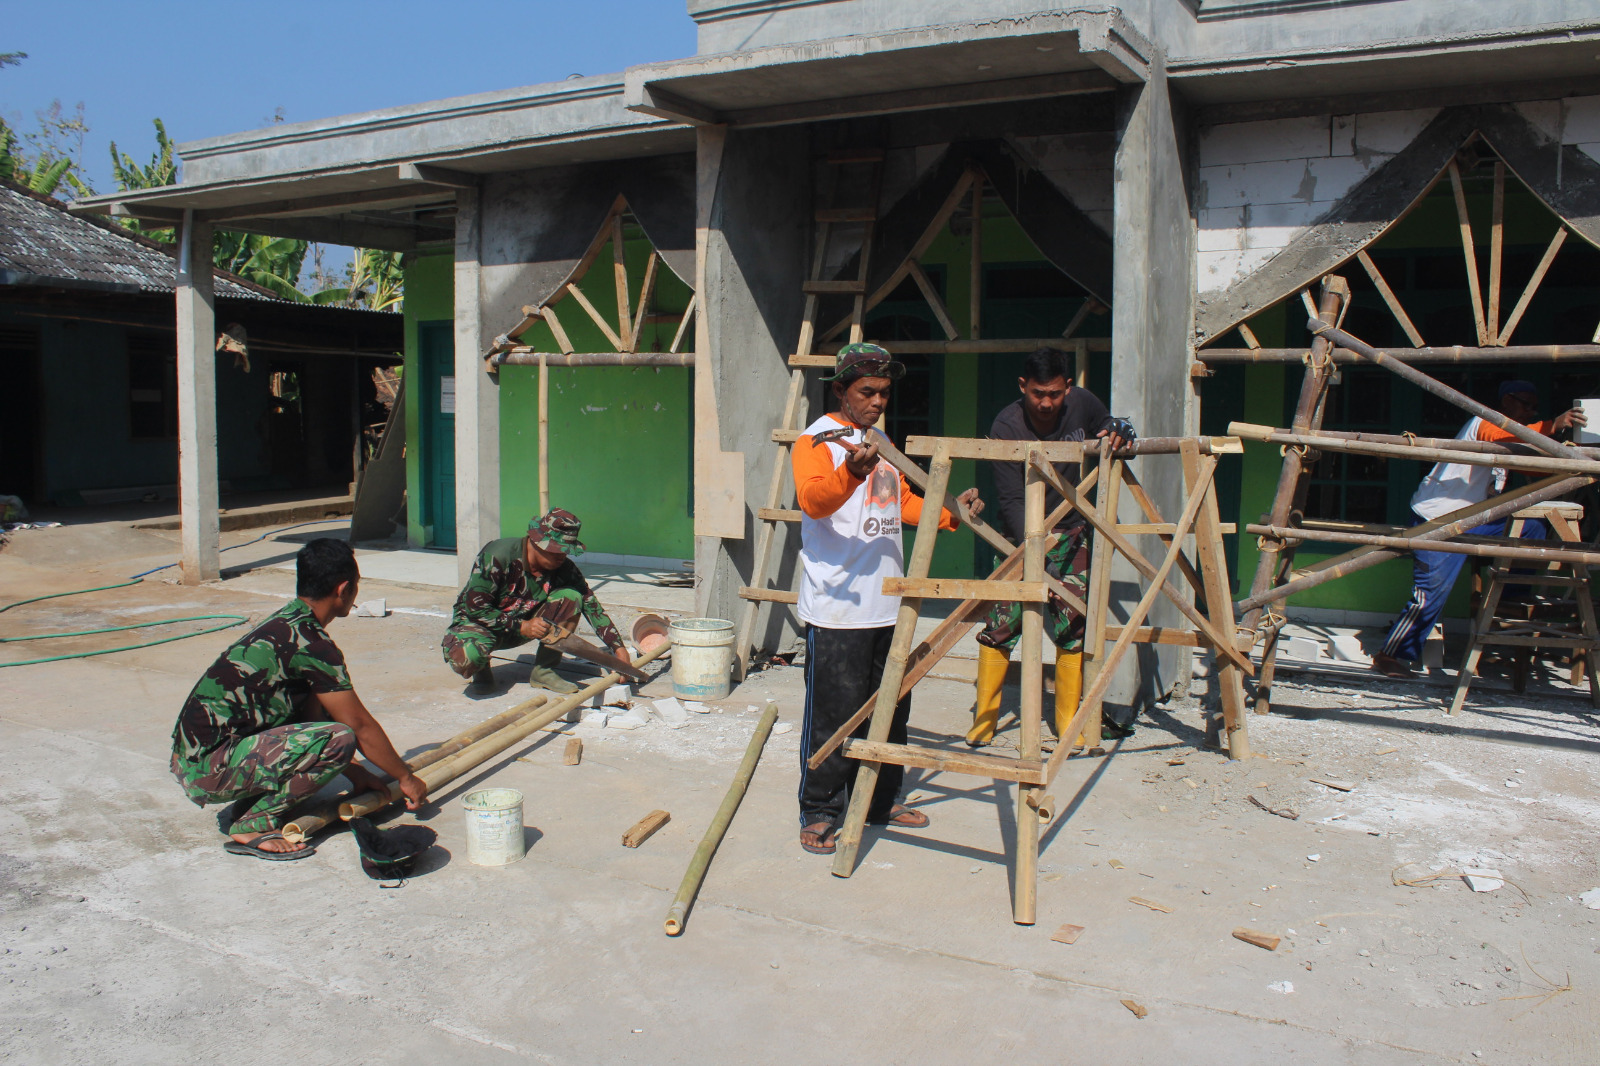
{"x": 620, "y": 437}
{"x": 430, "y": 297}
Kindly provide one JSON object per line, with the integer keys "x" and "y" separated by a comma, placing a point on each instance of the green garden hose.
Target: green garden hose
{"x": 228, "y": 620}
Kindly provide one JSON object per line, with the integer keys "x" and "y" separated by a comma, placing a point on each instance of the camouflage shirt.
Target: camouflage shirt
{"x": 502, "y": 592}
{"x": 258, "y": 683}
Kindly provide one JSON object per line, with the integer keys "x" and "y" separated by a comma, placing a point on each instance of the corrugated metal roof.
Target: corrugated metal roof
{"x": 42, "y": 244}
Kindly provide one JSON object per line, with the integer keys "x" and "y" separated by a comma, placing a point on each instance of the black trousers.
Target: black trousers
{"x": 843, "y": 669}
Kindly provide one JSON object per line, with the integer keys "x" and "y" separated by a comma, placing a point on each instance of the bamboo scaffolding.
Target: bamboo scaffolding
{"x": 1528, "y": 436}
{"x": 1484, "y": 547}
{"x": 1465, "y": 456}
{"x": 1510, "y": 449}
{"x": 1439, "y": 529}
{"x": 324, "y": 814}
{"x": 473, "y": 755}
{"x": 689, "y": 887}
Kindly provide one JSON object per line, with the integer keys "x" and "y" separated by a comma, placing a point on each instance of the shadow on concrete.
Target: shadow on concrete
{"x": 1565, "y": 743}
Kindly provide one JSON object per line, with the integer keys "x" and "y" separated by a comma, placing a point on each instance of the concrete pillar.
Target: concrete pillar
{"x": 1152, "y": 312}
{"x": 197, "y": 403}
{"x": 759, "y": 223}
{"x": 477, "y": 397}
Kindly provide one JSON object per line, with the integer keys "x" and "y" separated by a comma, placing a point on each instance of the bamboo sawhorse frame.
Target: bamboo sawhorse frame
{"x": 1212, "y": 620}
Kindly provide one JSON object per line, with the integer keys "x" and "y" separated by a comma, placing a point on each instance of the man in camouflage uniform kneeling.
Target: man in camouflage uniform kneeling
{"x": 522, "y": 589}
{"x": 275, "y": 717}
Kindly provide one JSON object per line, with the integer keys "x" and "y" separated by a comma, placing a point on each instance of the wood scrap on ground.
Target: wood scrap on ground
{"x": 1258, "y": 938}
{"x": 1281, "y": 812}
{"x": 1067, "y": 934}
{"x": 1139, "y": 1010}
{"x": 645, "y": 828}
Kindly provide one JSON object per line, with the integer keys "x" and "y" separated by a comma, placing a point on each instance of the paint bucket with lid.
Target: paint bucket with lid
{"x": 494, "y": 826}
{"x": 702, "y": 658}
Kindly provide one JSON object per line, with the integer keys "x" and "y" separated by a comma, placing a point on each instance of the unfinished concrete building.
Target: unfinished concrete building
{"x": 1151, "y": 185}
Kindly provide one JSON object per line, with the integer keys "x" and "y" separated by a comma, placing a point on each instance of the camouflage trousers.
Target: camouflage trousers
{"x": 467, "y": 646}
{"x": 1068, "y": 562}
{"x": 276, "y": 768}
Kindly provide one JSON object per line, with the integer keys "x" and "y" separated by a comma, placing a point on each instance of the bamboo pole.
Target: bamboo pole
{"x": 1507, "y": 550}
{"x": 544, "y": 436}
{"x": 689, "y": 887}
{"x": 1521, "y": 353}
{"x": 473, "y": 755}
{"x": 529, "y": 357}
{"x": 1468, "y": 251}
{"x": 848, "y": 840}
{"x": 1025, "y": 883}
{"x": 312, "y": 820}
{"x": 1442, "y": 528}
{"x": 1502, "y": 448}
{"x": 1467, "y": 457}
{"x": 1439, "y": 389}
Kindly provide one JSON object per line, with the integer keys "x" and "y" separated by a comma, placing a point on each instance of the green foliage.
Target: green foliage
{"x": 271, "y": 262}
{"x": 376, "y": 281}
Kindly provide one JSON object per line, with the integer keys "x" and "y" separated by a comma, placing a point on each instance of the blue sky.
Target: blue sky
{"x": 222, "y": 66}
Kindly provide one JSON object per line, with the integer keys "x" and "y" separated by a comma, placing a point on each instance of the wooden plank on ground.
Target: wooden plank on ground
{"x": 645, "y": 828}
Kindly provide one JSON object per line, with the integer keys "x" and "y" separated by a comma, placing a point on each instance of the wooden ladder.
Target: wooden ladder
{"x": 1580, "y": 636}
{"x": 779, "y": 490}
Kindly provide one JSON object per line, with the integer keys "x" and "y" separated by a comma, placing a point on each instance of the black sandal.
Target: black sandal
{"x": 824, "y": 844}
{"x": 253, "y": 847}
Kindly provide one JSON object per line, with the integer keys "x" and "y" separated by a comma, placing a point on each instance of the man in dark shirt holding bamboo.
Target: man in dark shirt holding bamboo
{"x": 1051, "y": 408}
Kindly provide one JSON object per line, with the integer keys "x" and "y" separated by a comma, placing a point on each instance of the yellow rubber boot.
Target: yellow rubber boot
{"x": 1069, "y": 687}
{"x": 992, "y": 665}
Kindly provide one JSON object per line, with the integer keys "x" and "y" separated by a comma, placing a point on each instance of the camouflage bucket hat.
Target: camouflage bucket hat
{"x": 557, "y": 531}
{"x": 862, "y": 360}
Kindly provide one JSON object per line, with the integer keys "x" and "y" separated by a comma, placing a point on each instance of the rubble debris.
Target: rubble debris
{"x": 1281, "y": 812}
{"x": 1258, "y": 938}
{"x": 1138, "y": 1009}
{"x": 1067, "y": 934}
{"x": 1338, "y": 786}
{"x": 1483, "y": 880}
{"x": 1152, "y": 904}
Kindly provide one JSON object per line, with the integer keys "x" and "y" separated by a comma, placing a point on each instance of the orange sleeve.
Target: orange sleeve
{"x": 911, "y": 509}
{"x": 819, "y": 487}
{"x": 1495, "y": 435}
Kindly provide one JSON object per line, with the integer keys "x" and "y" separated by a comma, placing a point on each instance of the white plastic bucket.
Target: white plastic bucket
{"x": 494, "y": 826}
{"x": 702, "y": 658}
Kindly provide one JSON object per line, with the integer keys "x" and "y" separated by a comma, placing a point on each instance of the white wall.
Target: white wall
{"x": 1261, "y": 183}
{"x": 1080, "y": 165}
{"x": 1574, "y": 121}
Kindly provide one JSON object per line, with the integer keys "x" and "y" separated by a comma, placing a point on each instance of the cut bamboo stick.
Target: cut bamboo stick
{"x": 544, "y": 436}
{"x": 1521, "y": 353}
{"x": 645, "y": 828}
{"x": 1533, "y": 283}
{"x": 1509, "y": 549}
{"x": 595, "y": 317}
{"x": 473, "y": 755}
{"x": 1468, "y": 251}
{"x": 1497, "y": 228}
{"x": 318, "y": 817}
{"x": 1390, "y": 299}
{"x": 619, "y": 272}
{"x": 689, "y": 887}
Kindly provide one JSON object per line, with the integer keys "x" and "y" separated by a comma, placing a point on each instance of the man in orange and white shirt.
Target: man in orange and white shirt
{"x": 1450, "y": 487}
{"x": 853, "y": 505}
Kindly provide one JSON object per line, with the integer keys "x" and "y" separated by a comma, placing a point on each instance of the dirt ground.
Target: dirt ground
{"x": 127, "y": 935}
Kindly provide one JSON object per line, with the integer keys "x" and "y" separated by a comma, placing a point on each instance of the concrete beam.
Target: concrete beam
{"x": 662, "y": 103}
{"x": 197, "y": 404}
{"x": 427, "y": 172}
{"x": 147, "y": 213}
{"x": 329, "y": 203}
{"x": 477, "y": 397}
{"x": 357, "y": 233}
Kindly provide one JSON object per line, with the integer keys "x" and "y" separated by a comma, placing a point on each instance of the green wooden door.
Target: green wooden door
{"x": 436, "y": 349}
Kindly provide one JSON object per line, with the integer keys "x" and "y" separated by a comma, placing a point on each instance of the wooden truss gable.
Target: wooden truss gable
{"x": 622, "y": 328}
{"x": 1459, "y": 137}
{"x": 967, "y": 191}
{"x": 1487, "y": 294}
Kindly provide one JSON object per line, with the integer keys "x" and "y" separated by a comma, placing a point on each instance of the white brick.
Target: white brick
{"x": 1332, "y": 178}
{"x": 1253, "y": 183}
{"x": 1254, "y": 257}
{"x": 1220, "y": 228}
{"x": 1296, "y": 215}
{"x": 1390, "y": 131}
{"x": 1592, "y": 150}
{"x": 1215, "y": 271}
{"x": 1274, "y": 237}
{"x": 1260, "y": 142}
{"x": 1583, "y": 120}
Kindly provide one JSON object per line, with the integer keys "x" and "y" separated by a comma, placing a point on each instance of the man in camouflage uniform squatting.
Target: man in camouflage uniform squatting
{"x": 1051, "y": 408}
{"x": 522, "y": 589}
{"x": 275, "y": 717}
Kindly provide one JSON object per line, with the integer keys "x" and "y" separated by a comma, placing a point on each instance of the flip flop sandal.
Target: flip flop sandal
{"x": 902, "y": 817}
{"x": 236, "y": 847}
{"x": 824, "y": 844}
